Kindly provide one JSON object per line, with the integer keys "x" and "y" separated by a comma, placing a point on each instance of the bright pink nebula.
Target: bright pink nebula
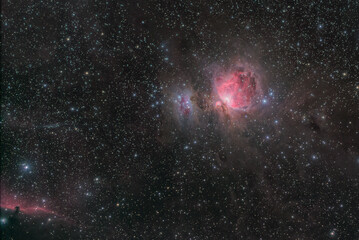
{"x": 236, "y": 89}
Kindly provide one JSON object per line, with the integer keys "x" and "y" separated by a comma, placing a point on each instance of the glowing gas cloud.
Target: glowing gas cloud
{"x": 184, "y": 105}
{"x": 10, "y": 201}
{"x": 236, "y": 89}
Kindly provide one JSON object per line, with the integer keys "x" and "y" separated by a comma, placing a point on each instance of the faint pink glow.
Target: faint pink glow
{"x": 28, "y": 210}
{"x": 184, "y": 105}
{"x": 31, "y": 207}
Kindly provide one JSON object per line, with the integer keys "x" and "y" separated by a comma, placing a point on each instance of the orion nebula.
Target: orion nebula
{"x": 227, "y": 92}
{"x": 236, "y": 89}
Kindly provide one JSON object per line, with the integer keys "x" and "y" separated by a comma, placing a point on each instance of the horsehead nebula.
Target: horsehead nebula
{"x": 25, "y": 205}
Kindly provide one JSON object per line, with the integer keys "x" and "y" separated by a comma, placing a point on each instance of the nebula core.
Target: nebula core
{"x": 236, "y": 89}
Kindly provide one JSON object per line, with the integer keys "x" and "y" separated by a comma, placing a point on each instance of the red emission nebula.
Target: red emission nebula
{"x": 26, "y": 206}
{"x": 236, "y": 89}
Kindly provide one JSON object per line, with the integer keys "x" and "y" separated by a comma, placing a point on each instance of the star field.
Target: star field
{"x": 119, "y": 120}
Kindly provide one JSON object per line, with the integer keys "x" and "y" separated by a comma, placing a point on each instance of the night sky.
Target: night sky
{"x": 179, "y": 120}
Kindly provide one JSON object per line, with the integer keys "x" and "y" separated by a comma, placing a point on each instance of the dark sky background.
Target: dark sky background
{"x": 112, "y": 126}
